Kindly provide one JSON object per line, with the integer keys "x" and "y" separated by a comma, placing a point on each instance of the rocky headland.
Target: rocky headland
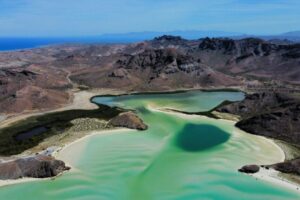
{"x": 39, "y": 166}
{"x": 273, "y": 115}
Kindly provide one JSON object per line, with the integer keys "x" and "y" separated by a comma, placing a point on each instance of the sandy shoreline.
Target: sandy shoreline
{"x": 66, "y": 154}
{"x": 67, "y": 149}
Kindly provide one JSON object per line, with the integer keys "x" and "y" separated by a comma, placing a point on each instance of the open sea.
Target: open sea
{"x": 10, "y": 44}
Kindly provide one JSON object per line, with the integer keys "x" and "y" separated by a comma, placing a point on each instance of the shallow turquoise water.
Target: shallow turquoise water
{"x": 178, "y": 157}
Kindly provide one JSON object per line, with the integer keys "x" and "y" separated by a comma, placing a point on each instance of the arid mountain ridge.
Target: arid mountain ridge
{"x": 43, "y": 78}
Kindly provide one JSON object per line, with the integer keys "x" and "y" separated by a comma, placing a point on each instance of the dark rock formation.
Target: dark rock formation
{"x": 256, "y": 103}
{"x": 169, "y": 40}
{"x": 128, "y": 120}
{"x": 39, "y": 166}
{"x": 156, "y": 59}
{"x": 250, "y": 57}
{"x": 249, "y": 169}
{"x": 273, "y": 115}
{"x": 289, "y": 167}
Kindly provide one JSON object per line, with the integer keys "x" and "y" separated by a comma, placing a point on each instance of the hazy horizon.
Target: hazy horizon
{"x": 210, "y": 32}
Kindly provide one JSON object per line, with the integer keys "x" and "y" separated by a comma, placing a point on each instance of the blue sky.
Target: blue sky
{"x": 94, "y": 17}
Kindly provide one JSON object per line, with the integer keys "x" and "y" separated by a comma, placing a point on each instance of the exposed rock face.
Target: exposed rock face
{"x": 281, "y": 123}
{"x": 128, "y": 120}
{"x": 249, "y": 169}
{"x": 250, "y": 57}
{"x": 39, "y": 166}
{"x": 269, "y": 114}
{"x": 289, "y": 167}
{"x": 257, "y": 103}
{"x": 168, "y": 41}
{"x": 158, "y": 60}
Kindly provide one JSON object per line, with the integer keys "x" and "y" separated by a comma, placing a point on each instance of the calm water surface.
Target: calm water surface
{"x": 179, "y": 157}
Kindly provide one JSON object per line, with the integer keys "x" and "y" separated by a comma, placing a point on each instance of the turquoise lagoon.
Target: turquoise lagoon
{"x": 180, "y": 157}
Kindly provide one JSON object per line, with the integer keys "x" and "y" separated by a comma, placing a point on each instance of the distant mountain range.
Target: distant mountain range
{"x": 149, "y": 35}
{"x": 193, "y": 34}
{"x": 15, "y": 43}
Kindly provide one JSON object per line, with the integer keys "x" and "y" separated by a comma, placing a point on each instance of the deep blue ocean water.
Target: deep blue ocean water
{"x": 9, "y": 44}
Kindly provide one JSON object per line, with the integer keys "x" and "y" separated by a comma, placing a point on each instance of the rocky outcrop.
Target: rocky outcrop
{"x": 250, "y": 57}
{"x": 289, "y": 167}
{"x": 169, "y": 41}
{"x": 128, "y": 120}
{"x": 281, "y": 123}
{"x": 256, "y": 103}
{"x": 39, "y": 166}
{"x": 249, "y": 169}
{"x": 157, "y": 59}
{"x": 273, "y": 115}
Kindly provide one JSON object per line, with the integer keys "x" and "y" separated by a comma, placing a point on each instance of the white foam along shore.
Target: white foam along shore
{"x": 271, "y": 175}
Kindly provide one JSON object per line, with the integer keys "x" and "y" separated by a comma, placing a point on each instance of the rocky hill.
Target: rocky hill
{"x": 251, "y": 58}
{"x": 42, "y": 78}
{"x": 273, "y": 115}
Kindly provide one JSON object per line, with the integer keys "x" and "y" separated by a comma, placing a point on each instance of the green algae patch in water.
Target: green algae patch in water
{"x": 194, "y": 137}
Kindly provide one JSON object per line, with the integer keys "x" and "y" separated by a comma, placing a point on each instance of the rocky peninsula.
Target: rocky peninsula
{"x": 273, "y": 115}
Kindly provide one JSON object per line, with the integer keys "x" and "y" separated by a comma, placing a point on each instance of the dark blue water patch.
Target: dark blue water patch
{"x": 195, "y": 137}
{"x": 31, "y": 133}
